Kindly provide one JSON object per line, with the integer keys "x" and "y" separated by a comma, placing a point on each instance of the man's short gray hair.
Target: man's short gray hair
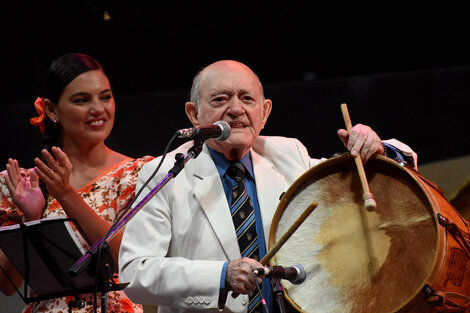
{"x": 194, "y": 95}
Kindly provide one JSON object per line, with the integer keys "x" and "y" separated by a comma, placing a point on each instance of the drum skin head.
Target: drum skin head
{"x": 357, "y": 261}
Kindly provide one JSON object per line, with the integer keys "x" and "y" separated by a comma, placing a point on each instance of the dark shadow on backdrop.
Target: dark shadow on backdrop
{"x": 425, "y": 109}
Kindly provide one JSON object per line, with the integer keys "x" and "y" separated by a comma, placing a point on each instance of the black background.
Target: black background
{"x": 403, "y": 70}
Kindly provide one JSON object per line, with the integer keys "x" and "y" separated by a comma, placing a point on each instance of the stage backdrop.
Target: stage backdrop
{"x": 426, "y": 109}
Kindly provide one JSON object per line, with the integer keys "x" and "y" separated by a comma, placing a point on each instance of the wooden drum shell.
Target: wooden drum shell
{"x": 359, "y": 261}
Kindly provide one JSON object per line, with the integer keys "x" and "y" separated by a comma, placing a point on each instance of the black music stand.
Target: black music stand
{"x": 43, "y": 251}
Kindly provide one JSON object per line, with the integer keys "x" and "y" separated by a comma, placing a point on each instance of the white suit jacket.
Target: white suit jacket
{"x": 174, "y": 248}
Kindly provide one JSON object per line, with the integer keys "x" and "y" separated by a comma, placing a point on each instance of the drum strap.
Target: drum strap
{"x": 455, "y": 231}
{"x": 447, "y": 302}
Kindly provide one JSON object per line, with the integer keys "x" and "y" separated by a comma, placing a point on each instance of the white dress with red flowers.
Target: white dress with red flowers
{"x": 108, "y": 194}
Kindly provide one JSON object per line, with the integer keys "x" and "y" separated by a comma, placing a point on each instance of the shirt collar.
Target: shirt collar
{"x": 222, "y": 163}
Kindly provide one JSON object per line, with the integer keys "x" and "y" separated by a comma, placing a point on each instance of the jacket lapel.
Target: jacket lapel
{"x": 208, "y": 190}
{"x": 269, "y": 187}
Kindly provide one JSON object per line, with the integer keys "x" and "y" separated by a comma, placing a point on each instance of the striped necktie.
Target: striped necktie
{"x": 243, "y": 217}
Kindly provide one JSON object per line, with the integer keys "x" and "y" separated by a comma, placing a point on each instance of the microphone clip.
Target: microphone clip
{"x": 295, "y": 274}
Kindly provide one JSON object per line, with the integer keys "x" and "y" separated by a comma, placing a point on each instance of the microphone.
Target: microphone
{"x": 295, "y": 274}
{"x": 220, "y": 131}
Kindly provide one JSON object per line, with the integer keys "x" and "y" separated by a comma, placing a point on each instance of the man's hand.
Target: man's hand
{"x": 362, "y": 140}
{"x": 239, "y": 277}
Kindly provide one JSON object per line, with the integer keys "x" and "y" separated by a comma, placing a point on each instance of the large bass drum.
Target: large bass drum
{"x": 409, "y": 255}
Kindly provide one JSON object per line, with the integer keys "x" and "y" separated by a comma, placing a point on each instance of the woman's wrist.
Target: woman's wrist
{"x": 29, "y": 218}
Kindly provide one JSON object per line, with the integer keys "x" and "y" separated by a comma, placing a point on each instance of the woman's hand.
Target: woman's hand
{"x": 56, "y": 174}
{"x": 26, "y": 194}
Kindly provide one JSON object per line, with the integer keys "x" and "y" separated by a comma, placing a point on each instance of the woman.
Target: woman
{"x": 78, "y": 176}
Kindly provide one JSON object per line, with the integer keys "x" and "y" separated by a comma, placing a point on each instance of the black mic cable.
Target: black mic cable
{"x": 263, "y": 301}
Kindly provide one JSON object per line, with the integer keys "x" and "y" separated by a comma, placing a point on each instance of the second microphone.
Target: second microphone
{"x": 295, "y": 274}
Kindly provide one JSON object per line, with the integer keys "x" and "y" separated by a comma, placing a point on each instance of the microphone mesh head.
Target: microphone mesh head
{"x": 225, "y": 130}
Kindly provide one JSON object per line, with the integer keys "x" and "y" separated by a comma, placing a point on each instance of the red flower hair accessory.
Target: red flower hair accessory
{"x": 39, "y": 120}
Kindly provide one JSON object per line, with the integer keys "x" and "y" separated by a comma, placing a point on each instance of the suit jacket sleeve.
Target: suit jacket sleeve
{"x": 155, "y": 278}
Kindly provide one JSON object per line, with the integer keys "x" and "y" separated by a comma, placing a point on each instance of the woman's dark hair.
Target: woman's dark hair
{"x": 59, "y": 74}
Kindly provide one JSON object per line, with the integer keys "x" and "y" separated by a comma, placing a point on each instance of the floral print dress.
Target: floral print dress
{"x": 108, "y": 195}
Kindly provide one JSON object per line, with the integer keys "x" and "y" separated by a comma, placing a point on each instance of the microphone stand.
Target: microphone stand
{"x": 278, "y": 293}
{"x": 102, "y": 244}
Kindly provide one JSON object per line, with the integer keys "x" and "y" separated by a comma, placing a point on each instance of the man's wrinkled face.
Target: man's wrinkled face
{"x": 231, "y": 92}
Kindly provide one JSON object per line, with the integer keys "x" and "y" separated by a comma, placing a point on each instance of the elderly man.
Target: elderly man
{"x": 195, "y": 244}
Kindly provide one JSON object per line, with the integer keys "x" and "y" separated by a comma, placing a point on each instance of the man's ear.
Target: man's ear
{"x": 50, "y": 110}
{"x": 267, "y": 106}
{"x": 192, "y": 113}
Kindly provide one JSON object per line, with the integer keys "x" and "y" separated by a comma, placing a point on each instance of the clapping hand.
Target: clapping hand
{"x": 24, "y": 191}
{"x": 56, "y": 173}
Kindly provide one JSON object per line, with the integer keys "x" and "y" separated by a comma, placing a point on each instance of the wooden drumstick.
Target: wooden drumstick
{"x": 286, "y": 236}
{"x": 368, "y": 199}
{"x": 288, "y": 233}
{"x": 367, "y": 196}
